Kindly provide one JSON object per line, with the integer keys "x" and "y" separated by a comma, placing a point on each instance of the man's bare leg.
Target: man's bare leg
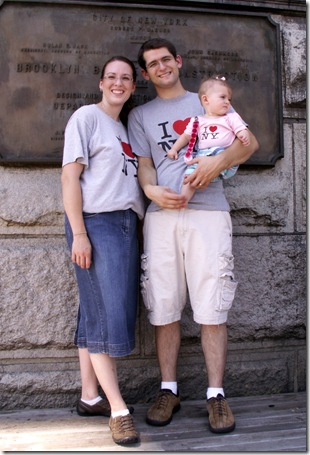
{"x": 168, "y": 340}
{"x": 214, "y": 345}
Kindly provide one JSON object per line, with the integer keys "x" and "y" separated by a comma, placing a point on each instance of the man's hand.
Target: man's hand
{"x": 165, "y": 197}
{"x": 209, "y": 167}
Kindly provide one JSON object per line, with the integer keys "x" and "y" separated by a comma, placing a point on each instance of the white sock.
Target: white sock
{"x": 123, "y": 412}
{"x": 173, "y": 386}
{"x": 213, "y": 392}
{"x": 93, "y": 401}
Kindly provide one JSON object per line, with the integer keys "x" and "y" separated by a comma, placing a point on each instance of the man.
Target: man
{"x": 185, "y": 246}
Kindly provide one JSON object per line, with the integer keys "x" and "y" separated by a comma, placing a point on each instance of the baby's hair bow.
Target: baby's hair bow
{"x": 220, "y": 78}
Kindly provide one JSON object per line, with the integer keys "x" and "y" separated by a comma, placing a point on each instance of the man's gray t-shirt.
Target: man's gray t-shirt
{"x": 153, "y": 128}
{"x": 109, "y": 180}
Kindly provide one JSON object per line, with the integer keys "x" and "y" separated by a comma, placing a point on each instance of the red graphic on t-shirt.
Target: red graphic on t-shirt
{"x": 213, "y": 128}
{"x": 127, "y": 149}
{"x": 180, "y": 125}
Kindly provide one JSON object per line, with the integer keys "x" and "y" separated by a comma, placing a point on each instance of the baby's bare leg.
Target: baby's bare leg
{"x": 187, "y": 191}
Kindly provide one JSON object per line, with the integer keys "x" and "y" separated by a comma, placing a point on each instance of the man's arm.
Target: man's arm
{"x": 163, "y": 196}
{"x": 210, "y": 167}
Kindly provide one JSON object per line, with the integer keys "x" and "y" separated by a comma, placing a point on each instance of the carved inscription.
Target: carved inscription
{"x": 47, "y": 75}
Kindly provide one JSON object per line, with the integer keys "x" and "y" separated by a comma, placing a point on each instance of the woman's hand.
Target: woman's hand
{"x": 81, "y": 251}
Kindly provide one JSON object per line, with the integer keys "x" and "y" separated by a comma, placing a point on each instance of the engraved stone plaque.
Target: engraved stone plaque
{"x": 51, "y": 55}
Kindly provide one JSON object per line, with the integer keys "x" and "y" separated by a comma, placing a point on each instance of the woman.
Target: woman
{"x": 102, "y": 200}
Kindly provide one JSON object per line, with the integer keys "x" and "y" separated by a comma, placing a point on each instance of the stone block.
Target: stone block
{"x": 294, "y": 63}
{"x": 300, "y": 183}
{"x": 270, "y": 300}
{"x": 38, "y": 294}
{"x": 262, "y": 200}
{"x": 31, "y": 201}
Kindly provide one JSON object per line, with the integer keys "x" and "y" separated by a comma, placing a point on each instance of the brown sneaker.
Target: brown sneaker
{"x": 123, "y": 430}
{"x": 221, "y": 419}
{"x": 102, "y": 408}
{"x": 161, "y": 412}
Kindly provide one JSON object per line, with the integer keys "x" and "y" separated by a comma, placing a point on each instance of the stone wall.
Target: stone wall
{"x": 267, "y": 325}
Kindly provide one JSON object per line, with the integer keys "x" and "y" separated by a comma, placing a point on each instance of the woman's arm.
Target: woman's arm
{"x": 72, "y": 200}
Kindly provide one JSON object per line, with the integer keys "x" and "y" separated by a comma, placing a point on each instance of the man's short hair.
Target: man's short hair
{"x": 154, "y": 43}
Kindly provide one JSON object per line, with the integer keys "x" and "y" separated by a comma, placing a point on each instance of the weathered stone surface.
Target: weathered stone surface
{"x": 39, "y": 388}
{"x": 294, "y": 63}
{"x": 39, "y": 308}
{"x": 263, "y": 201}
{"x": 267, "y": 371}
{"x": 271, "y": 297}
{"x": 253, "y": 368}
{"x": 300, "y": 184}
{"x": 30, "y": 201}
{"x": 38, "y": 294}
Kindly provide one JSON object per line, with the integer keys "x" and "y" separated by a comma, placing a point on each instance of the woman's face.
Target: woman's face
{"x": 117, "y": 83}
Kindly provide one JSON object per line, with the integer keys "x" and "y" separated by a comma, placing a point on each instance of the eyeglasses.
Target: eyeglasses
{"x": 113, "y": 78}
{"x": 164, "y": 61}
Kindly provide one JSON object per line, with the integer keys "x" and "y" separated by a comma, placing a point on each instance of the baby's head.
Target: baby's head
{"x": 209, "y": 83}
{"x": 215, "y": 95}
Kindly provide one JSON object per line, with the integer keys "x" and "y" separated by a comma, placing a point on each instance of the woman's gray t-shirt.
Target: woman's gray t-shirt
{"x": 109, "y": 180}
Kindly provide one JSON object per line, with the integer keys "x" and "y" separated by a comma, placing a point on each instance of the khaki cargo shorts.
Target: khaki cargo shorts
{"x": 187, "y": 250}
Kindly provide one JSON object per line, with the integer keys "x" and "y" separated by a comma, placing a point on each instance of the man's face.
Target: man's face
{"x": 161, "y": 67}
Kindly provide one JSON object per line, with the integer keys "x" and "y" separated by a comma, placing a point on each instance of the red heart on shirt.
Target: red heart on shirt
{"x": 213, "y": 128}
{"x": 180, "y": 125}
{"x": 127, "y": 149}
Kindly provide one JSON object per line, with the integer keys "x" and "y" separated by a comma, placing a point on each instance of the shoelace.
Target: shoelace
{"x": 220, "y": 406}
{"x": 162, "y": 400}
{"x": 126, "y": 423}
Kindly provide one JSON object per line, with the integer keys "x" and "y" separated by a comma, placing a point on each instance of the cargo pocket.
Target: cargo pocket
{"x": 144, "y": 281}
{"x": 227, "y": 283}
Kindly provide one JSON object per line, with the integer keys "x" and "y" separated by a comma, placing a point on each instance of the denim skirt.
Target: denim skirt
{"x": 108, "y": 290}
